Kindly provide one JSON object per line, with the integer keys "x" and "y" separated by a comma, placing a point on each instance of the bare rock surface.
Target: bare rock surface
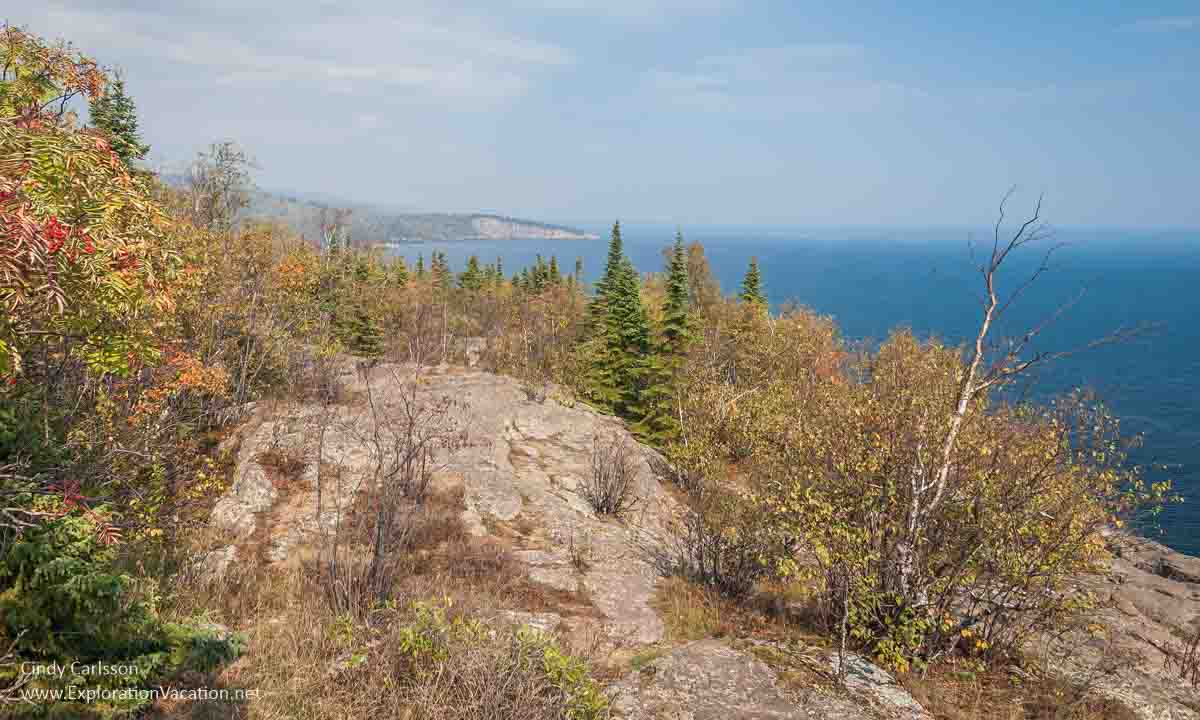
{"x": 251, "y": 491}
{"x": 1153, "y": 608}
{"x": 525, "y": 468}
{"x": 873, "y": 683}
{"x": 708, "y": 680}
{"x": 521, "y": 473}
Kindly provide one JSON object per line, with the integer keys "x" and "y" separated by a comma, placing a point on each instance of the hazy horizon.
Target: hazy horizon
{"x": 689, "y": 112}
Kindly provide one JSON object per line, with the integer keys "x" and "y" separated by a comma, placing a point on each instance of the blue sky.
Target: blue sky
{"x": 679, "y": 111}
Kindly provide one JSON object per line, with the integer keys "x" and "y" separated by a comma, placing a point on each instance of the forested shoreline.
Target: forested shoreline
{"x": 923, "y": 521}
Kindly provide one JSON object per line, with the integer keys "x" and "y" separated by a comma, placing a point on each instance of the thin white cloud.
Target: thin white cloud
{"x": 434, "y": 55}
{"x": 791, "y": 78}
{"x": 1164, "y": 24}
{"x": 636, "y": 11}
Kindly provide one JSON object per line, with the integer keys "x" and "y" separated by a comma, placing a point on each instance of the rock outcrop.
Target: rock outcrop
{"x": 521, "y": 474}
{"x": 520, "y": 471}
{"x": 712, "y": 680}
{"x": 1152, "y": 609}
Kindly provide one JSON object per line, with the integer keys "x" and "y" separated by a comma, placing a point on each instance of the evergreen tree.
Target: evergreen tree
{"x": 114, "y": 114}
{"x": 676, "y": 319}
{"x": 752, "y": 291}
{"x": 628, "y": 318}
{"x": 420, "y": 266}
{"x": 600, "y": 376}
{"x": 579, "y": 272}
{"x": 399, "y": 272}
{"x": 617, "y": 360}
{"x": 471, "y": 278}
{"x": 612, "y": 265}
{"x": 657, "y": 421}
{"x": 555, "y": 276}
{"x": 540, "y": 275}
{"x": 363, "y": 336}
{"x": 441, "y": 270}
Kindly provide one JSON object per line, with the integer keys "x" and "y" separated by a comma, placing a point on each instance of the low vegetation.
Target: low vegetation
{"x": 906, "y": 504}
{"x": 611, "y": 486}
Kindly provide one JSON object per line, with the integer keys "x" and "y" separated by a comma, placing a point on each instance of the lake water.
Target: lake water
{"x": 873, "y": 280}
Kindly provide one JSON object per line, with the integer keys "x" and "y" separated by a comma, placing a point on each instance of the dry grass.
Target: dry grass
{"x": 951, "y": 694}
{"x": 689, "y": 611}
{"x": 287, "y": 463}
{"x": 307, "y": 661}
{"x": 692, "y": 611}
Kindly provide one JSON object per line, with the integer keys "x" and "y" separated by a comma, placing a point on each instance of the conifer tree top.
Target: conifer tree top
{"x": 115, "y": 114}
{"x": 752, "y": 291}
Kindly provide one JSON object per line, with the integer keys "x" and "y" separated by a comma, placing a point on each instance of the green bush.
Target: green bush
{"x": 65, "y": 602}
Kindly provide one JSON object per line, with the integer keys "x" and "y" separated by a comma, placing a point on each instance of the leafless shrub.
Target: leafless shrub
{"x": 718, "y": 541}
{"x": 579, "y": 549}
{"x": 1186, "y": 660}
{"x": 408, "y": 435}
{"x": 611, "y": 486}
{"x": 681, "y": 477}
{"x": 290, "y": 462}
{"x": 287, "y": 458}
{"x": 535, "y": 390}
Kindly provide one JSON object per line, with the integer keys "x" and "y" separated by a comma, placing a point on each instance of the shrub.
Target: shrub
{"x": 719, "y": 541}
{"x": 66, "y": 603}
{"x": 611, "y": 487}
{"x": 455, "y": 667}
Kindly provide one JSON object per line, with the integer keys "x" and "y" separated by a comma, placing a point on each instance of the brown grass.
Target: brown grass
{"x": 951, "y": 693}
{"x": 306, "y": 661}
{"x": 692, "y": 611}
{"x": 288, "y": 464}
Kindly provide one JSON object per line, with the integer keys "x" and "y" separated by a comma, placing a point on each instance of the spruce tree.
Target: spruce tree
{"x": 619, "y": 333}
{"x": 471, "y": 278}
{"x": 115, "y": 114}
{"x": 752, "y": 291}
{"x": 612, "y": 266}
{"x": 540, "y": 275}
{"x": 658, "y": 422}
{"x": 363, "y": 336}
{"x": 399, "y": 271}
{"x": 555, "y": 277}
{"x": 676, "y": 319}
{"x": 629, "y": 341}
{"x": 420, "y": 266}
{"x": 441, "y": 270}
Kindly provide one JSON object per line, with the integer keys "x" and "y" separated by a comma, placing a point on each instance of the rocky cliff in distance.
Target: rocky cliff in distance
{"x": 374, "y": 225}
{"x": 494, "y": 227}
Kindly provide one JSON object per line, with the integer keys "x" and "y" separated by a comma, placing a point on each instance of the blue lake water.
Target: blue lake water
{"x": 872, "y": 280}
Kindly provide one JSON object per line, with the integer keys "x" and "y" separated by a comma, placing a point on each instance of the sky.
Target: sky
{"x": 676, "y": 111}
